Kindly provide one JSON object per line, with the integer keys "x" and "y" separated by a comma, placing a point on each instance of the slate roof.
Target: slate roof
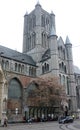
{"x": 15, "y": 55}
{"x": 46, "y": 55}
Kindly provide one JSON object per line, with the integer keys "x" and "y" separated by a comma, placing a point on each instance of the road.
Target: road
{"x": 43, "y": 126}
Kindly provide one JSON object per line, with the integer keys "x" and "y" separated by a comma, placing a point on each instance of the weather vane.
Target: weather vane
{"x": 37, "y": 1}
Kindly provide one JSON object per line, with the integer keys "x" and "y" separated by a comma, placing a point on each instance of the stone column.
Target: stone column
{"x": 1, "y": 97}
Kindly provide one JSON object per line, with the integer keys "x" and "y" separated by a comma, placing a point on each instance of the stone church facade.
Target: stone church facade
{"x": 43, "y": 54}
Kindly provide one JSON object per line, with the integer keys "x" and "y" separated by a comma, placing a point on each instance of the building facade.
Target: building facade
{"x": 51, "y": 54}
{"x": 43, "y": 54}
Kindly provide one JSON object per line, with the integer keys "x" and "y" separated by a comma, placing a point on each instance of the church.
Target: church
{"x": 44, "y": 53}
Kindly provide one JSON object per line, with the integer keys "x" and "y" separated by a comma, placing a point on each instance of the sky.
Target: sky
{"x": 67, "y": 14}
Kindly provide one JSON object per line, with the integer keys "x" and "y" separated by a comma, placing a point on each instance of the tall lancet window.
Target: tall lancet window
{"x": 33, "y": 39}
{"x": 34, "y": 21}
{"x": 44, "y": 39}
{"x": 43, "y": 21}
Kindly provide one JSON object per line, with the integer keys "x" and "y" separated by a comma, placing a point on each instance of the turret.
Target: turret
{"x": 71, "y": 82}
{"x": 38, "y": 14}
{"x": 25, "y": 31}
{"x": 54, "y": 52}
{"x": 53, "y": 20}
{"x": 69, "y": 49}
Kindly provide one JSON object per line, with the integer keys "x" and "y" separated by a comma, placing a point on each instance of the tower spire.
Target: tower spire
{"x": 38, "y": 3}
{"x": 67, "y": 40}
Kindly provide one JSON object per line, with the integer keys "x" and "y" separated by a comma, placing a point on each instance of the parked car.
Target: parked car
{"x": 67, "y": 119}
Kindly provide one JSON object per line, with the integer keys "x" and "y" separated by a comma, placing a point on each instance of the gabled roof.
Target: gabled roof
{"x": 15, "y": 55}
{"x": 61, "y": 42}
{"x": 46, "y": 55}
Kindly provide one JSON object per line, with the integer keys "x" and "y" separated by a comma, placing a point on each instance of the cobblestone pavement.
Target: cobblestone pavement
{"x": 33, "y": 126}
{"x": 43, "y": 126}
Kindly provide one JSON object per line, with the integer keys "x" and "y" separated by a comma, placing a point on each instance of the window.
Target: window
{"x": 22, "y": 69}
{"x": 32, "y": 71}
{"x": 7, "y": 64}
{"x": 45, "y": 68}
{"x": 29, "y": 70}
{"x": 16, "y": 66}
{"x": 67, "y": 85}
{"x": 43, "y": 21}
{"x": 44, "y": 39}
{"x": 3, "y": 64}
{"x": 33, "y": 39}
{"x": 60, "y": 78}
{"x": 30, "y": 24}
{"x": 63, "y": 80}
{"x": 34, "y": 21}
{"x": 19, "y": 68}
{"x": 14, "y": 90}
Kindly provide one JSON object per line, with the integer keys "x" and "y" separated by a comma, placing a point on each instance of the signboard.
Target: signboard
{"x": 26, "y": 109}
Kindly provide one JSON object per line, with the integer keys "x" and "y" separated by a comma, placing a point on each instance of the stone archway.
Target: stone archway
{"x": 15, "y": 96}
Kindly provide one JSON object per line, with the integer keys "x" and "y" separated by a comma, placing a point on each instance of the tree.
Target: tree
{"x": 48, "y": 92}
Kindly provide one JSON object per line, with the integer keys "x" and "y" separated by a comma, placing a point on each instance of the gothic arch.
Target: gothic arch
{"x": 15, "y": 95}
{"x": 45, "y": 67}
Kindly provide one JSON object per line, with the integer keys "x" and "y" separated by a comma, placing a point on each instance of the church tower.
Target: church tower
{"x": 71, "y": 80}
{"x": 40, "y": 42}
{"x": 37, "y": 27}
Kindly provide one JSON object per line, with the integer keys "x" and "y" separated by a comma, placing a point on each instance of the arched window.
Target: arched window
{"x": 59, "y": 66}
{"x": 63, "y": 80}
{"x": 60, "y": 78}
{"x": 30, "y": 23}
{"x": 45, "y": 68}
{"x": 44, "y": 39}
{"x": 69, "y": 104}
{"x": 15, "y": 96}
{"x": 30, "y": 70}
{"x": 16, "y": 67}
{"x": 3, "y": 64}
{"x": 22, "y": 69}
{"x": 30, "y": 43}
{"x": 63, "y": 54}
{"x": 34, "y": 71}
{"x": 15, "y": 90}
{"x": 7, "y": 64}
{"x": 43, "y": 21}
{"x": 19, "y": 68}
{"x": 33, "y": 39}
{"x": 67, "y": 79}
{"x": 34, "y": 21}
